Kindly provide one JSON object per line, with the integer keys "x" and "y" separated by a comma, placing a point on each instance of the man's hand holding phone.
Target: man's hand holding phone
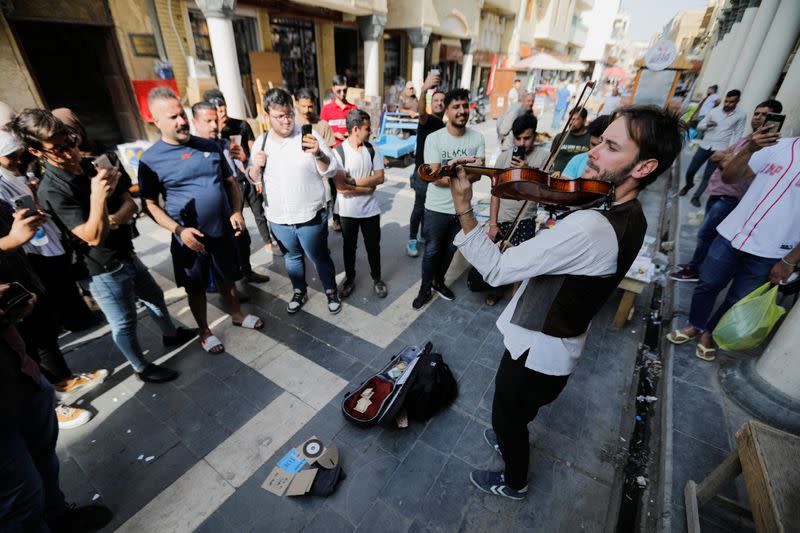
{"x": 433, "y": 80}
{"x": 16, "y": 302}
{"x": 24, "y": 226}
{"x": 763, "y": 137}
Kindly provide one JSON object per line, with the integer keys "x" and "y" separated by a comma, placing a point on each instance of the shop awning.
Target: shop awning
{"x": 545, "y": 61}
{"x": 616, "y": 73}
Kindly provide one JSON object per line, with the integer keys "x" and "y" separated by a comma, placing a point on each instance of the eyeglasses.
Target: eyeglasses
{"x": 70, "y": 143}
{"x": 289, "y": 117}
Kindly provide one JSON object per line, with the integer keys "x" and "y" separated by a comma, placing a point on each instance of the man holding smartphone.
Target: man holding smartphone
{"x": 758, "y": 241}
{"x": 291, "y": 165}
{"x": 202, "y": 210}
{"x": 95, "y": 206}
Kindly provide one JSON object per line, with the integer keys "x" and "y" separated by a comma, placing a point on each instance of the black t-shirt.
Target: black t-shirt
{"x": 67, "y": 196}
{"x": 235, "y": 126}
{"x": 423, "y": 130}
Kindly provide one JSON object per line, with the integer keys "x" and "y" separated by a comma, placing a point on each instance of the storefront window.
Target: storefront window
{"x": 294, "y": 40}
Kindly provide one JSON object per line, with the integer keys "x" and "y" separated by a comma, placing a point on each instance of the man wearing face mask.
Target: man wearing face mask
{"x": 202, "y": 210}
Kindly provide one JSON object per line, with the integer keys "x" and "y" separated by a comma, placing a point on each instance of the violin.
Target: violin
{"x": 537, "y": 185}
{"x": 531, "y": 184}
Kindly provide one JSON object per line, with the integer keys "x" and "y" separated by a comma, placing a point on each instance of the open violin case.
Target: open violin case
{"x": 389, "y": 389}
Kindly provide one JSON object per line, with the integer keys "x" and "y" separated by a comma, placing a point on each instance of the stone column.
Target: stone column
{"x": 764, "y": 15}
{"x": 775, "y": 50}
{"x": 789, "y": 96}
{"x": 218, "y": 15}
{"x": 419, "y": 40}
{"x": 741, "y": 29}
{"x": 371, "y": 27}
{"x": 779, "y": 365}
{"x": 513, "y": 44}
{"x": 466, "y": 66}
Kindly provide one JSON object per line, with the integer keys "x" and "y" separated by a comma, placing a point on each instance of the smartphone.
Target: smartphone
{"x": 774, "y": 122}
{"x": 14, "y": 296}
{"x": 435, "y": 72}
{"x": 305, "y": 129}
{"x": 25, "y": 203}
{"x": 519, "y": 152}
{"x": 102, "y": 161}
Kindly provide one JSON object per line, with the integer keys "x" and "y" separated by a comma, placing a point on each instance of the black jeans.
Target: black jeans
{"x": 420, "y": 192}
{"x": 332, "y": 185}
{"x": 519, "y": 393}
{"x": 700, "y": 156}
{"x": 40, "y": 332}
{"x": 62, "y": 291}
{"x": 371, "y": 230}
{"x": 440, "y": 230}
{"x": 255, "y": 200}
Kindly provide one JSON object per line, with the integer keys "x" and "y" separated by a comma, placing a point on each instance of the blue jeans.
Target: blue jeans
{"x": 30, "y": 497}
{"x": 117, "y": 292}
{"x": 717, "y": 209}
{"x": 724, "y": 264}
{"x": 558, "y": 116}
{"x": 440, "y": 230}
{"x": 310, "y": 238}
{"x": 700, "y": 156}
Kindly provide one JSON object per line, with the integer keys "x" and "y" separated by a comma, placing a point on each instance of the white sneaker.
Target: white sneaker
{"x": 71, "y": 417}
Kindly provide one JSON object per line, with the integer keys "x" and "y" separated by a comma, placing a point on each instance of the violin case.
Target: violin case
{"x": 389, "y": 393}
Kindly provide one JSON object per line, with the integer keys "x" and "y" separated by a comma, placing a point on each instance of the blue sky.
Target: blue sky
{"x": 649, "y": 16}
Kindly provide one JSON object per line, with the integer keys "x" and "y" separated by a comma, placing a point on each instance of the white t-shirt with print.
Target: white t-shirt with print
{"x": 766, "y": 222}
{"x": 358, "y": 164}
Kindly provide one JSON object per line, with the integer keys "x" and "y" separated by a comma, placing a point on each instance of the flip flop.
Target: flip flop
{"x": 705, "y": 353}
{"x": 213, "y": 345}
{"x": 678, "y": 337}
{"x": 250, "y": 322}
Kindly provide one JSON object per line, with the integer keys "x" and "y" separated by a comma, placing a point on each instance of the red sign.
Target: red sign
{"x": 143, "y": 87}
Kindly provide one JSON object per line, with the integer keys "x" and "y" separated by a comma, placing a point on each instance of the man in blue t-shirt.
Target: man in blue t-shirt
{"x": 199, "y": 189}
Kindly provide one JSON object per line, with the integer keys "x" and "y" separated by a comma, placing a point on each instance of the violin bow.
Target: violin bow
{"x": 583, "y": 99}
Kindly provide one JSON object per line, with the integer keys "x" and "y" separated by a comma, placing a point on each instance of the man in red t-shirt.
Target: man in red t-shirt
{"x": 335, "y": 113}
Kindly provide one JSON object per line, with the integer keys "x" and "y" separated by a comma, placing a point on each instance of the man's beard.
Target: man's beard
{"x": 616, "y": 177}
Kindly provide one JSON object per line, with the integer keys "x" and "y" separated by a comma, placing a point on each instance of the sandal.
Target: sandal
{"x": 250, "y": 322}
{"x": 678, "y": 337}
{"x": 213, "y": 345}
{"x": 706, "y": 353}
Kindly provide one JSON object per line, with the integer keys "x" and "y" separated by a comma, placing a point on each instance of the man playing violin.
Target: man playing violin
{"x": 567, "y": 274}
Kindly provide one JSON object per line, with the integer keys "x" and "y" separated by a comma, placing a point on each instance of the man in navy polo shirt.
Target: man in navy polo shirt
{"x": 193, "y": 176}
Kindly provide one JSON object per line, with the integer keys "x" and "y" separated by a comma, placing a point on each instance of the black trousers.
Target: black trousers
{"x": 71, "y": 309}
{"x": 336, "y": 217}
{"x": 519, "y": 393}
{"x": 40, "y": 332}
{"x": 252, "y": 198}
{"x": 420, "y": 189}
{"x": 371, "y": 230}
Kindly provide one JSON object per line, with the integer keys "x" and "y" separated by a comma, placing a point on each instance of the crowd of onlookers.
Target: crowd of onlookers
{"x": 68, "y": 220}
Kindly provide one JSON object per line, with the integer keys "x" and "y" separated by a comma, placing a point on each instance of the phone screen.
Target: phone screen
{"x": 774, "y": 122}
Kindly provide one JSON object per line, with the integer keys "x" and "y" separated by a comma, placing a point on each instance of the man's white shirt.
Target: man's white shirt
{"x": 293, "y": 184}
{"x": 729, "y": 128}
{"x": 358, "y": 164}
{"x": 766, "y": 222}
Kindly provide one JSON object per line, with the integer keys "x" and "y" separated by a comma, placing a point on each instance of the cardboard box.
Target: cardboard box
{"x": 294, "y": 473}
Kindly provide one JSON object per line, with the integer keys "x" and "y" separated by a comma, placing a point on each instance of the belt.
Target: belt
{"x": 725, "y": 197}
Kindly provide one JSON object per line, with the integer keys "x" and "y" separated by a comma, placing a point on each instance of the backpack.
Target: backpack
{"x": 433, "y": 389}
{"x": 340, "y": 150}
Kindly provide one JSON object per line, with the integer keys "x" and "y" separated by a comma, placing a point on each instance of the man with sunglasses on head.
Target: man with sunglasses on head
{"x": 291, "y": 167}
{"x": 335, "y": 114}
{"x": 94, "y": 203}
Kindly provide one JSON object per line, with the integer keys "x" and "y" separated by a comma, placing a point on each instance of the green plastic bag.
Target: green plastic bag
{"x": 749, "y": 321}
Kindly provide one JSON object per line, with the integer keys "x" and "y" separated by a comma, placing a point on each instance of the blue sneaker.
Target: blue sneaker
{"x": 491, "y": 439}
{"x": 411, "y": 248}
{"x": 494, "y": 483}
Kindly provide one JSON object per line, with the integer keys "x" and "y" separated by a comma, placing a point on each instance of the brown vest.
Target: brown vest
{"x": 564, "y": 305}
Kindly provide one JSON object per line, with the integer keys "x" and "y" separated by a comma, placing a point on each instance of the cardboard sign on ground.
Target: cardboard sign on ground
{"x": 291, "y": 476}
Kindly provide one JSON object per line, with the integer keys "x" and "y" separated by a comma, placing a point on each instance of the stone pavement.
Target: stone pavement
{"x": 702, "y": 419}
{"x": 192, "y": 454}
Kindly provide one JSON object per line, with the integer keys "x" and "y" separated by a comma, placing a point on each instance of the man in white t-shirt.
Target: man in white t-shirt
{"x": 759, "y": 240}
{"x": 356, "y": 203}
